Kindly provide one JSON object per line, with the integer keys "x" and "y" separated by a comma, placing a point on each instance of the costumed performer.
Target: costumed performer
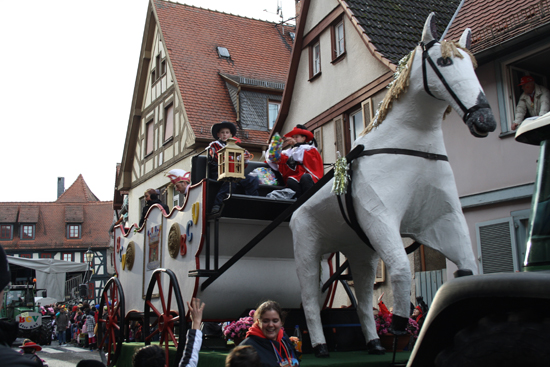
{"x": 250, "y": 184}
{"x": 269, "y": 340}
{"x": 180, "y": 179}
{"x": 301, "y": 165}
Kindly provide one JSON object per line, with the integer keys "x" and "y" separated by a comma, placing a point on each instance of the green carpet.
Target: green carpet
{"x": 337, "y": 359}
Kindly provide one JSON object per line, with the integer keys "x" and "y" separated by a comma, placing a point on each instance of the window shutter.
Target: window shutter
{"x": 496, "y": 246}
{"x": 366, "y": 106}
{"x": 318, "y": 134}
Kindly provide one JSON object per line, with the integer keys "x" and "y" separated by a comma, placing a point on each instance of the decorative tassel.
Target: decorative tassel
{"x": 341, "y": 176}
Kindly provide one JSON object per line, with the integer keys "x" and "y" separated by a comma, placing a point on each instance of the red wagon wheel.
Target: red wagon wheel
{"x": 110, "y": 329}
{"x": 169, "y": 323}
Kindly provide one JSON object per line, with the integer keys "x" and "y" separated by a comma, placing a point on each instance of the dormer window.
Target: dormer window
{"x": 6, "y": 232}
{"x": 27, "y": 232}
{"x": 73, "y": 231}
{"x": 223, "y": 53}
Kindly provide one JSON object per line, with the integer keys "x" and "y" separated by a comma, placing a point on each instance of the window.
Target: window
{"x": 6, "y": 232}
{"x": 27, "y": 231}
{"x": 223, "y": 53}
{"x": 356, "y": 124}
{"x": 149, "y": 137}
{"x": 163, "y": 67}
{"x": 338, "y": 40}
{"x": 314, "y": 60}
{"x": 153, "y": 76}
{"x": 273, "y": 113}
{"x": 169, "y": 122}
{"x": 46, "y": 255}
{"x": 73, "y": 231}
{"x": 513, "y": 68}
{"x": 67, "y": 256}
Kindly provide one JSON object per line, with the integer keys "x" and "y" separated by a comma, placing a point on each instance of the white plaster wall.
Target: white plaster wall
{"x": 318, "y": 10}
{"x": 337, "y": 81}
{"x": 490, "y": 163}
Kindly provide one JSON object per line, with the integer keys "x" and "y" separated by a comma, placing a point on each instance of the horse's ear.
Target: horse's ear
{"x": 466, "y": 39}
{"x": 430, "y": 29}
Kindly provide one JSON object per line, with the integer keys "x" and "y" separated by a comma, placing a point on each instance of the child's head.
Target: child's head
{"x": 149, "y": 356}
{"x": 243, "y": 356}
{"x": 224, "y": 134}
{"x": 223, "y": 130}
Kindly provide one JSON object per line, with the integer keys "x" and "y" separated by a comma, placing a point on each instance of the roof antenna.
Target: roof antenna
{"x": 279, "y": 13}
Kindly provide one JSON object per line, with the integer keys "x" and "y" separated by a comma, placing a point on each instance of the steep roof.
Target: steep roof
{"x": 76, "y": 205}
{"x": 394, "y": 27}
{"x": 259, "y": 50}
{"x": 494, "y": 22}
{"x": 79, "y": 192}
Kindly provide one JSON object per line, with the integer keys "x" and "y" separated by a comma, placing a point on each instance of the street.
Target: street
{"x": 67, "y": 356}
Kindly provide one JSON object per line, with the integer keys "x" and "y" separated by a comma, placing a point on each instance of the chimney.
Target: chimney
{"x": 60, "y": 186}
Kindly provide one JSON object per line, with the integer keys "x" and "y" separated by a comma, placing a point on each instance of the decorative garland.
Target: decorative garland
{"x": 341, "y": 176}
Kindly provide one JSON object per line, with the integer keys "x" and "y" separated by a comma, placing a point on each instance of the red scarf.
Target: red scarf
{"x": 255, "y": 330}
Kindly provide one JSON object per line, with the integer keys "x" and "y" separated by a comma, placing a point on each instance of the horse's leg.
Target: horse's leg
{"x": 307, "y": 258}
{"x": 363, "y": 262}
{"x": 453, "y": 241}
{"x": 386, "y": 240}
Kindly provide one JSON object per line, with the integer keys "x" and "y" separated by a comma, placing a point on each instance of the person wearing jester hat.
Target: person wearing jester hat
{"x": 301, "y": 165}
{"x": 250, "y": 184}
{"x": 180, "y": 179}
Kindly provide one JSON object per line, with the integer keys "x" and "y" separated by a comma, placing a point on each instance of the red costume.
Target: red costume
{"x": 308, "y": 160}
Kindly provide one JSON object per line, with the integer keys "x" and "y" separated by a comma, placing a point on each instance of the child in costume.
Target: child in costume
{"x": 301, "y": 165}
{"x": 223, "y": 131}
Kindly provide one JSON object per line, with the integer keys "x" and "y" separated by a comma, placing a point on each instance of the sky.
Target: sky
{"x": 69, "y": 69}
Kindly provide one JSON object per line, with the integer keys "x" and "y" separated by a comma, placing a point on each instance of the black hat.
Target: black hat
{"x": 217, "y": 127}
{"x": 5, "y": 277}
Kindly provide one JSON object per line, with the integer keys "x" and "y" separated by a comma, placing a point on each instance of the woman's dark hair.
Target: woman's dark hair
{"x": 243, "y": 356}
{"x": 149, "y": 356}
{"x": 153, "y": 194}
{"x": 269, "y": 306}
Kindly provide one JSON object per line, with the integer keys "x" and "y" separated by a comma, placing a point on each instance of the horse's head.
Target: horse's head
{"x": 448, "y": 74}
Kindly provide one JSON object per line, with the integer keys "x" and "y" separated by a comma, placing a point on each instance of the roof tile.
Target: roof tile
{"x": 259, "y": 50}
{"x": 494, "y": 22}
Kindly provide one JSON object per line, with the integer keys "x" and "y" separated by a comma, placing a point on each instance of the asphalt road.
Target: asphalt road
{"x": 67, "y": 356}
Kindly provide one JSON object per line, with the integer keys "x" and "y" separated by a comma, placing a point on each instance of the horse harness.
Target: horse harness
{"x": 426, "y": 57}
{"x": 351, "y": 217}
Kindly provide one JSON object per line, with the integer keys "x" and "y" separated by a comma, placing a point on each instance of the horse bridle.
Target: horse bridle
{"x": 426, "y": 57}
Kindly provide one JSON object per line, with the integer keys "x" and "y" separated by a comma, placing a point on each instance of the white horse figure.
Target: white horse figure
{"x": 395, "y": 194}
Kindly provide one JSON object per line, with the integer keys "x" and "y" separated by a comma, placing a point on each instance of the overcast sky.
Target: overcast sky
{"x": 69, "y": 69}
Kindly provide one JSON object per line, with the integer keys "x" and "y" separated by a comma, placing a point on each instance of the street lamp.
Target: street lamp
{"x": 90, "y": 259}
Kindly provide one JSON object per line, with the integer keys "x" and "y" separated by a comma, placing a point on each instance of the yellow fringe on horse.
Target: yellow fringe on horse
{"x": 400, "y": 83}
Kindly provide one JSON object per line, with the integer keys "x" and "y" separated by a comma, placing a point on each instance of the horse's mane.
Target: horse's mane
{"x": 401, "y": 79}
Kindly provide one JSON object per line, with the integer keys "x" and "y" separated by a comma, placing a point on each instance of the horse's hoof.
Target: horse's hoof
{"x": 462, "y": 273}
{"x": 375, "y": 347}
{"x": 399, "y": 325}
{"x": 321, "y": 351}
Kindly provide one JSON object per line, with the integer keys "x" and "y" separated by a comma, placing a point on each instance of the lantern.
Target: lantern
{"x": 231, "y": 162}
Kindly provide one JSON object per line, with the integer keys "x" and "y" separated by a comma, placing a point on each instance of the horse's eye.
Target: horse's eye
{"x": 444, "y": 61}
